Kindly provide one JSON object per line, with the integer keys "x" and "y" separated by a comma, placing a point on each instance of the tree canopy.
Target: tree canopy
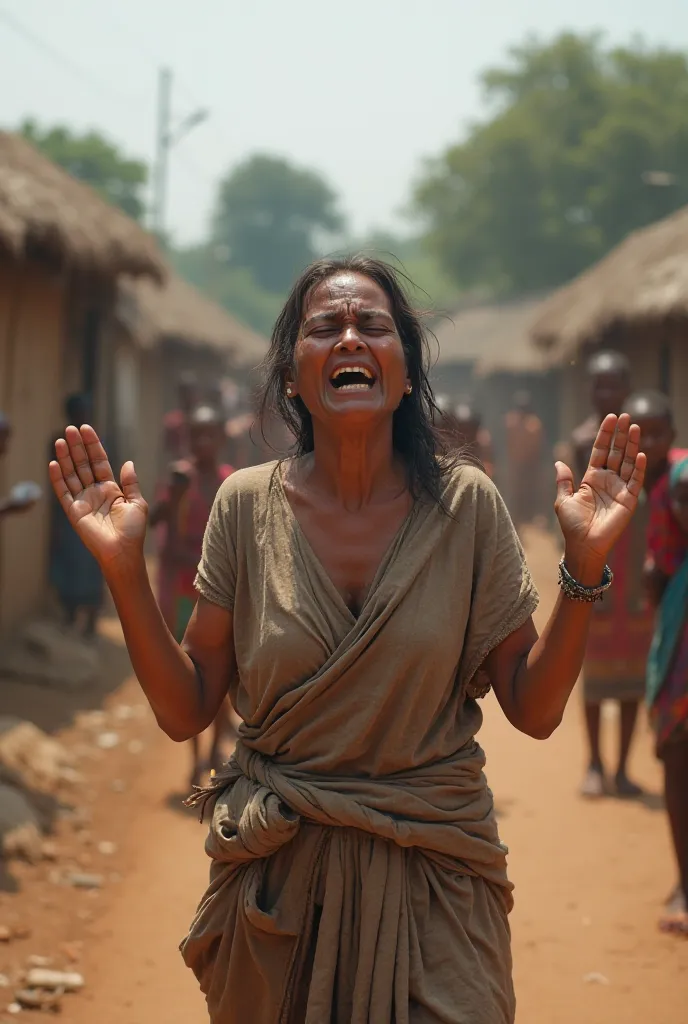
{"x": 270, "y": 216}
{"x": 93, "y": 159}
{"x": 566, "y": 165}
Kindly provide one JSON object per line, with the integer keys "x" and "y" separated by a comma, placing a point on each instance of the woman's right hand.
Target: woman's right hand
{"x": 110, "y": 518}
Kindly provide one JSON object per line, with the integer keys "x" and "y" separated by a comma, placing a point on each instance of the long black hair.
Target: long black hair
{"x": 414, "y": 434}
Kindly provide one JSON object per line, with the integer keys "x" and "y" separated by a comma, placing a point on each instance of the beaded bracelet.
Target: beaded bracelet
{"x": 575, "y": 591}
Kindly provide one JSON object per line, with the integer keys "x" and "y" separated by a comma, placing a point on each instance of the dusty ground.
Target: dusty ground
{"x": 590, "y": 879}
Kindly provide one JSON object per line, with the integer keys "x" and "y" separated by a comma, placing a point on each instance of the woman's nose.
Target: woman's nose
{"x": 350, "y": 340}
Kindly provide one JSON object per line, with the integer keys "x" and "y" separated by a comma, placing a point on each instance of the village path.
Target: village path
{"x": 590, "y": 879}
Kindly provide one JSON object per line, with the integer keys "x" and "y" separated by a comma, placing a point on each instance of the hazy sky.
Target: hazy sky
{"x": 362, "y": 90}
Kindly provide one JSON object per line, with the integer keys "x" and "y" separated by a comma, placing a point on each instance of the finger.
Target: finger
{"x": 631, "y": 453}
{"x": 617, "y": 450}
{"x": 79, "y": 456}
{"x": 100, "y": 464}
{"x": 637, "y": 479}
{"x": 129, "y": 483}
{"x": 59, "y": 484}
{"x": 564, "y": 481}
{"x": 69, "y": 474}
{"x": 603, "y": 443}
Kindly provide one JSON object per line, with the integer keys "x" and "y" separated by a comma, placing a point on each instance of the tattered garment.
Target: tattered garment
{"x": 357, "y": 873}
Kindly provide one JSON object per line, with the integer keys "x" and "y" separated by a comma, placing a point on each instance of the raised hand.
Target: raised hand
{"x": 593, "y": 518}
{"x": 110, "y": 518}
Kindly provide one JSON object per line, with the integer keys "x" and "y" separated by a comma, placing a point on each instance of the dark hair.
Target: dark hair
{"x": 608, "y": 361}
{"x": 414, "y": 435}
{"x": 649, "y": 405}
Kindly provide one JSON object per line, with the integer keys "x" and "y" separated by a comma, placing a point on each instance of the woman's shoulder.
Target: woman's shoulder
{"x": 252, "y": 483}
{"x": 465, "y": 480}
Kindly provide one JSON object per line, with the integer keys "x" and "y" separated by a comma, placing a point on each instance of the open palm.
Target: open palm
{"x": 110, "y": 518}
{"x": 593, "y": 518}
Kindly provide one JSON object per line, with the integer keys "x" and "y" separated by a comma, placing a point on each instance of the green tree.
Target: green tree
{"x": 231, "y": 287}
{"x": 558, "y": 174}
{"x": 93, "y": 159}
{"x": 271, "y": 217}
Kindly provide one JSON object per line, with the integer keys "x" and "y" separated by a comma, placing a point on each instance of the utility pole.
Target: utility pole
{"x": 167, "y": 137}
{"x": 163, "y": 142}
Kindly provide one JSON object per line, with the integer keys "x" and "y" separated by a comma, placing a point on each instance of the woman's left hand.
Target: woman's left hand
{"x": 593, "y": 518}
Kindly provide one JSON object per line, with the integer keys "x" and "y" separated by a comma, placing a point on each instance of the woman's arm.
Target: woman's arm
{"x": 533, "y": 676}
{"x": 185, "y": 685}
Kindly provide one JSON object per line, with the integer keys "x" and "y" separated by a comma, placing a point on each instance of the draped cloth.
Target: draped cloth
{"x": 357, "y": 873}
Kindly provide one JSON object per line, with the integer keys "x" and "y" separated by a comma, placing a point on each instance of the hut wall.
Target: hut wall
{"x": 32, "y": 319}
{"x": 150, "y": 460}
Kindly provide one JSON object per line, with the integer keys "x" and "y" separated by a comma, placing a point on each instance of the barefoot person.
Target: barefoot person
{"x": 73, "y": 571}
{"x": 355, "y": 600}
{"x": 525, "y": 439}
{"x": 184, "y": 509}
{"x": 621, "y": 627}
{"x": 667, "y": 670}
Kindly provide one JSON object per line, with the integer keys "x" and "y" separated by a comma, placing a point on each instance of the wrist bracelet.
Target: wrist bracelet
{"x": 575, "y": 591}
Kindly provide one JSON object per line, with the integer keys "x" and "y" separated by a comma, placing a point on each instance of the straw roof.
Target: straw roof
{"x": 180, "y": 312}
{"x": 645, "y": 278}
{"x": 43, "y": 209}
{"x": 494, "y": 338}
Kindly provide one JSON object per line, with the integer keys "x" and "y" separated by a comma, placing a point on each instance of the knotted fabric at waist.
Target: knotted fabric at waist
{"x": 445, "y": 808}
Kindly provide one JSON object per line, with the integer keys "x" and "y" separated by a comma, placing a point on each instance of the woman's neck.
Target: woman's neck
{"x": 355, "y": 469}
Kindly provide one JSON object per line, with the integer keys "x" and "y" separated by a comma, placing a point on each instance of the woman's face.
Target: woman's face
{"x": 656, "y": 439}
{"x": 349, "y": 362}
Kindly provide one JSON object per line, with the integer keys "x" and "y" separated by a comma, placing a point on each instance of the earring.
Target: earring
{"x": 289, "y": 391}
{"x": 408, "y": 389}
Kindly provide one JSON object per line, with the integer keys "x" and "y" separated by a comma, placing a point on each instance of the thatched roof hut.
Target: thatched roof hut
{"x": 46, "y": 212}
{"x": 181, "y": 313}
{"x": 492, "y": 337}
{"x": 643, "y": 281}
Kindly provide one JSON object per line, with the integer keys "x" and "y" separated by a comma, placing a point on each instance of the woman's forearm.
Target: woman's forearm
{"x": 546, "y": 677}
{"x": 166, "y": 673}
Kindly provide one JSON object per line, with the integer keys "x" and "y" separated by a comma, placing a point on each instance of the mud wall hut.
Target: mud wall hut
{"x": 634, "y": 300}
{"x": 62, "y": 249}
{"x": 486, "y": 352}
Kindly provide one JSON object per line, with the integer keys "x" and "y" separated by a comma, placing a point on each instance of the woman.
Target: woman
{"x": 183, "y": 510}
{"x": 355, "y": 599}
{"x": 667, "y": 677}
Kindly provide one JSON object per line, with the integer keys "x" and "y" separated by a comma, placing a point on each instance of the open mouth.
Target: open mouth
{"x": 352, "y": 378}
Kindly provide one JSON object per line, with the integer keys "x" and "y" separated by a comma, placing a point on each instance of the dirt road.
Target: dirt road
{"x": 590, "y": 880}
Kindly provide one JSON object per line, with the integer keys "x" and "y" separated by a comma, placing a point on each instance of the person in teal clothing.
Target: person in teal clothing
{"x": 74, "y": 572}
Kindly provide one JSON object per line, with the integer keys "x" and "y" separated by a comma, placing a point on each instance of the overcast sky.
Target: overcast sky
{"x": 363, "y": 90}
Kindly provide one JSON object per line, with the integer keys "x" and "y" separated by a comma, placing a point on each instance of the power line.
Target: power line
{"x": 154, "y": 59}
{"x": 56, "y": 55}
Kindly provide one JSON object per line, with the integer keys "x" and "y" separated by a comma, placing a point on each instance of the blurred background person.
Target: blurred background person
{"x": 621, "y": 627}
{"x": 667, "y": 676}
{"x": 20, "y": 499}
{"x": 183, "y": 508}
{"x": 525, "y": 445}
{"x": 176, "y": 440}
{"x": 475, "y": 436}
{"x": 73, "y": 571}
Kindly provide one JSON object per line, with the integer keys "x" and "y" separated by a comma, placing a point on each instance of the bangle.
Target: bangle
{"x": 575, "y": 591}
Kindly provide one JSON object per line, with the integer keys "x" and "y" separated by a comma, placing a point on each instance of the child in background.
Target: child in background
{"x": 667, "y": 674}
{"x": 183, "y": 510}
